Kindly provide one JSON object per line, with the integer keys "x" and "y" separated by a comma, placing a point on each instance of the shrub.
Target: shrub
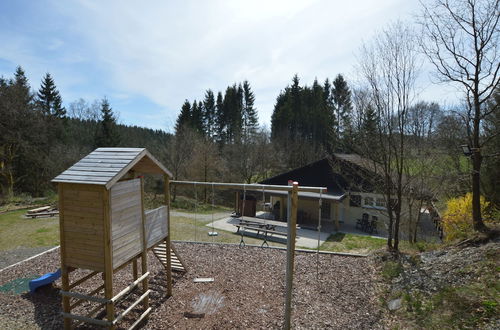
{"x": 457, "y": 219}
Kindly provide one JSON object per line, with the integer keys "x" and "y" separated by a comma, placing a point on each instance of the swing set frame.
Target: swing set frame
{"x": 293, "y": 189}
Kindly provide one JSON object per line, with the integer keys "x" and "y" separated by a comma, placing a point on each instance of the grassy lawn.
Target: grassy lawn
{"x": 341, "y": 242}
{"x": 17, "y": 231}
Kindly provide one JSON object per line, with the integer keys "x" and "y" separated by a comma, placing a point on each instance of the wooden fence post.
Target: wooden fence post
{"x": 290, "y": 250}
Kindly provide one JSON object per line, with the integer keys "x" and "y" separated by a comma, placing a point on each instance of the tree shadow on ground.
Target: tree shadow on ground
{"x": 47, "y": 306}
{"x": 337, "y": 237}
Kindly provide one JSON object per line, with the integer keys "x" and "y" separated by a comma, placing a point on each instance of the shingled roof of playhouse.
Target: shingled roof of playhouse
{"x": 105, "y": 166}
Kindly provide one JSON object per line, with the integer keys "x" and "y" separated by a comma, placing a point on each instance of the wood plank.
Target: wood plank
{"x": 83, "y": 177}
{"x": 93, "y": 204}
{"x": 92, "y": 162}
{"x": 119, "y": 167}
{"x": 89, "y": 173}
{"x": 86, "y": 264}
{"x": 86, "y": 212}
{"x": 83, "y": 221}
{"x": 84, "y": 255}
{"x": 113, "y": 149}
{"x": 114, "y": 153}
{"x": 113, "y": 170}
{"x": 79, "y": 194}
{"x": 86, "y": 182}
{"x": 89, "y": 252}
{"x": 84, "y": 230}
{"x": 123, "y": 156}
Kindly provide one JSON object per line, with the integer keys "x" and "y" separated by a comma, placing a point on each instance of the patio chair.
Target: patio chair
{"x": 373, "y": 224}
{"x": 363, "y": 222}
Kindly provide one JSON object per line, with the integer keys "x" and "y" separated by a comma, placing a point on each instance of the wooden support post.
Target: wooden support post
{"x": 167, "y": 240}
{"x": 290, "y": 250}
{"x": 282, "y": 208}
{"x": 134, "y": 269}
{"x": 237, "y": 202}
{"x": 108, "y": 258}
{"x": 337, "y": 225}
{"x": 62, "y": 251}
{"x": 144, "y": 254}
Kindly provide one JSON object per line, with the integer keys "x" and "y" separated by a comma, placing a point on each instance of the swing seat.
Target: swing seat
{"x": 203, "y": 280}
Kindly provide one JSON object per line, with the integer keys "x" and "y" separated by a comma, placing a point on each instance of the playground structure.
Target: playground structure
{"x": 104, "y": 228}
{"x": 292, "y": 191}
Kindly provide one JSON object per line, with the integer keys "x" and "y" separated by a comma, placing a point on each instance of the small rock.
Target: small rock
{"x": 395, "y": 304}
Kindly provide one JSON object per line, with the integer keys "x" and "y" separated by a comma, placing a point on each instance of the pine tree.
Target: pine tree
{"x": 343, "y": 107}
{"x": 49, "y": 100}
{"x": 220, "y": 120}
{"x": 250, "y": 118}
{"x": 209, "y": 116}
{"x": 185, "y": 117}
{"x": 107, "y": 135}
{"x": 197, "y": 116}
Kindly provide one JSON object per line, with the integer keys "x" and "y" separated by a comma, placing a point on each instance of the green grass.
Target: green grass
{"x": 26, "y": 202}
{"x": 17, "y": 231}
{"x": 342, "y": 242}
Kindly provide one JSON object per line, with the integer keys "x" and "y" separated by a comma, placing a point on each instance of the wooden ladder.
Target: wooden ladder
{"x": 160, "y": 252}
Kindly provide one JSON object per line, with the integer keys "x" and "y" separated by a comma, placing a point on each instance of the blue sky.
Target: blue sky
{"x": 147, "y": 57}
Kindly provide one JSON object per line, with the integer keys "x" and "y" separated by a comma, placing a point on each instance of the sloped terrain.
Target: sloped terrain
{"x": 248, "y": 293}
{"x": 457, "y": 287}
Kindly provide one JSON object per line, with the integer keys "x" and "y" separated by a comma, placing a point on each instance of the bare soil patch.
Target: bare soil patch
{"x": 248, "y": 292}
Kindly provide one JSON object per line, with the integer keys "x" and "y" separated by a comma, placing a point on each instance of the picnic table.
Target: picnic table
{"x": 265, "y": 228}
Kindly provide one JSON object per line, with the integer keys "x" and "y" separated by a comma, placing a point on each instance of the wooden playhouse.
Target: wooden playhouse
{"x": 104, "y": 227}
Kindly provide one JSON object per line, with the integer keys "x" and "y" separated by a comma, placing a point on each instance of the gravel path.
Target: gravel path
{"x": 248, "y": 292}
{"x": 10, "y": 257}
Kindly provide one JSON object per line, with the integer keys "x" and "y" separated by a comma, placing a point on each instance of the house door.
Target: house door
{"x": 326, "y": 208}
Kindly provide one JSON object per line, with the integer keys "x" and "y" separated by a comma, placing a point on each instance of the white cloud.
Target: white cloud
{"x": 167, "y": 51}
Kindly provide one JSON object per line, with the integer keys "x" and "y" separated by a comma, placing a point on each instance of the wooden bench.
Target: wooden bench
{"x": 43, "y": 214}
{"x": 259, "y": 230}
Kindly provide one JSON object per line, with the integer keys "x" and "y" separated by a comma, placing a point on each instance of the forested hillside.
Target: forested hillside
{"x": 40, "y": 138}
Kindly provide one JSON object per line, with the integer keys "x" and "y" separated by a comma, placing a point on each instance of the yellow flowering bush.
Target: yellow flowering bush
{"x": 457, "y": 219}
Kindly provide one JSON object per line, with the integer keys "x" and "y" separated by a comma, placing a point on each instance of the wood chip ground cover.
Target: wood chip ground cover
{"x": 248, "y": 292}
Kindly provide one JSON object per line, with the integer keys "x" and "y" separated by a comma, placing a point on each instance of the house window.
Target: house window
{"x": 380, "y": 202}
{"x": 355, "y": 200}
{"x": 369, "y": 201}
{"x": 325, "y": 210}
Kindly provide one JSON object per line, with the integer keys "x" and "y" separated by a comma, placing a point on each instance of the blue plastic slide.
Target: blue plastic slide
{"x": 44, "y": 280}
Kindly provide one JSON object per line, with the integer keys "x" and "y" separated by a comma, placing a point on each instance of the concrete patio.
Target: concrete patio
{"x": 306, "y": 238}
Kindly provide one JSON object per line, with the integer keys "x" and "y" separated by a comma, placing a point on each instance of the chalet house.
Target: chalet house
{"x": 351, "y": 193}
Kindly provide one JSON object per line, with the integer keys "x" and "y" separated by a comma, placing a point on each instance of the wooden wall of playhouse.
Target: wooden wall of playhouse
{"x": 84, "y": 208}
{"x": 82, "y": 229}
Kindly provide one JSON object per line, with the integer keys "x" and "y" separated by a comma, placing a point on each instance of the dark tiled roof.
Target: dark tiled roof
{"x": 339, "y": 173}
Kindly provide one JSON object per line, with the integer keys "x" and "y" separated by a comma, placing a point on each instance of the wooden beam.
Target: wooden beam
{"x": 139, "y": 320}
{"x": 144, "y": 254}
{"x": 249, "y": 187}
{"x": 64, "y": 268}
{"x": 83, "y": 279}
{"x": 125, "y": 312}
{"x": 87, "y": 319}
{"x": 166, "y": 185}
{"x": 337, "y": 225}
{"x": 144, "y": 277}
{"x": 290, "y": 251}
{"x": 108, "y": 258}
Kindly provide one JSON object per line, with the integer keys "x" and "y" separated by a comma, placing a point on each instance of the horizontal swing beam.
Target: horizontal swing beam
{"x": 249, "y": 186}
